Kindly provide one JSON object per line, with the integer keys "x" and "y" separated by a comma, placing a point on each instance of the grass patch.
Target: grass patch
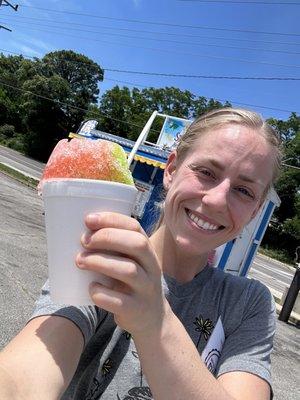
{"x": 26, "y": 180}
{"x": 278, "y": 255}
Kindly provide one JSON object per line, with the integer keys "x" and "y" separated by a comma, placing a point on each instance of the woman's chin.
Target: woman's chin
{"x": 191, "y": 248}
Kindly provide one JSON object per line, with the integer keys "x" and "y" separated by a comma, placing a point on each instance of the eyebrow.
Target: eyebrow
{"x": 221, "y": 167}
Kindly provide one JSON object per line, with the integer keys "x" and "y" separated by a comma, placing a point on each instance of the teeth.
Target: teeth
{"x": 202, "y": 224}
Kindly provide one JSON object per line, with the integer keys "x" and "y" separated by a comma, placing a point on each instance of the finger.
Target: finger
{"x": 112, "y": 220}
{"x": 107, "y": 299}
{"x": 130, "y": 244}
{"x": 116, "y": 267}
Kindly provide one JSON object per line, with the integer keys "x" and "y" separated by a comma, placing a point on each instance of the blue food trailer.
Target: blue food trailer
{"x": 147, "y": 163}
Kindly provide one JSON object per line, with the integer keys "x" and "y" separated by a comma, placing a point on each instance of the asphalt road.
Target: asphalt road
{"x": 23, "y": 262}
{"x": 273, "y": 274}
{"x": 23, "y": 269}
{"x": 21, "y": 163}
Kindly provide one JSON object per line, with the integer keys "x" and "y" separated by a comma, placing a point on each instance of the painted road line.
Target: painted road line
{"x": 267, "y": 275}
{"x": 276, "y": 270}
{"x": 276, "y": 274}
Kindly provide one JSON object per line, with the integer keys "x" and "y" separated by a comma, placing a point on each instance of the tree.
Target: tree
{"x": 115, "y": 111}
{"x": 203, "y": 105}
{"x": 134, "y": 107}
{"x": 14, "y": 70}
{"x": 284, "y": 232}
{"x": 288, "y": 129}
{"x": 45, "y": 120}
{"x": 82, "y": 75}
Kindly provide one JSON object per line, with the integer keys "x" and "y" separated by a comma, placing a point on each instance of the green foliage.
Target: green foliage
{"x": 278, "y": 254}
{"x": 68, "y": 78}
{"x": 7, "y": 131}
{"x": 82, "y": 76}
{"x": 284, "y": 233}
{"x": 288, "y": 129}
{"x": 127, "y": 110}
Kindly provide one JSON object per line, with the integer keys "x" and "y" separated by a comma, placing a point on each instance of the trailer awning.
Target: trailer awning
{"x": 149, "y": 161}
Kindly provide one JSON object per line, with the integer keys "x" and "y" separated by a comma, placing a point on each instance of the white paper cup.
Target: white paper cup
{"x": 67, "y": 202}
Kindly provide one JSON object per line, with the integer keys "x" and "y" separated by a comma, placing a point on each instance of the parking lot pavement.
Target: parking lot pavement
{"x": 23, "y": 269}
{"x": 286, "y": 362}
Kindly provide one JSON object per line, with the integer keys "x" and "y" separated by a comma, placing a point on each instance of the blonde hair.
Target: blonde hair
{"x": 220, "y": 117}
{"x": 216, "y": 119}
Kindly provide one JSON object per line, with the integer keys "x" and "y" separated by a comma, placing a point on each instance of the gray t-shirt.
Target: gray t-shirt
{"x": 109, "y": 367}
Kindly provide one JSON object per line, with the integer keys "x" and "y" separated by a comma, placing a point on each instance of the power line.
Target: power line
{"x": 173, "y": 75}
{"x": 203, "y": 76}
{"x": 170, "y": 51}
{"x": 165, "y": 40}
{"x": 290, "y": 166}
{"x": 218, "y": 99}
{"x": 167, "y": 75}
{"x": 244, "y": 2}
{"x": 8, "y": 4}
{"x": 86, "y": 110}
{"x": 70, "y": 12}
{"x": 69, "y": 105}
{"x": 154, "y": 32}
{"x": 4, "y": 27}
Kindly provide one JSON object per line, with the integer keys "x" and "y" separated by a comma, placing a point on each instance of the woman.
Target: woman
{"x": 149, "y": 335}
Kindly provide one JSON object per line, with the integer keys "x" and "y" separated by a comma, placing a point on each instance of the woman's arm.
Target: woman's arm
{"x": 41, "y": 360}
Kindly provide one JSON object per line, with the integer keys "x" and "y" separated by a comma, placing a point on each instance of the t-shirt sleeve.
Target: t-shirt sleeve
{"x": 86, "y": 318}
{"x": 248, "y": 347}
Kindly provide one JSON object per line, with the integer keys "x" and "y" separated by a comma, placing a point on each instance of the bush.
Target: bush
{"x": 7, "y": 131}
{"x": 279, "y": 241}
{"x": 279, "y": 255}
{"x": 16, "y": 143}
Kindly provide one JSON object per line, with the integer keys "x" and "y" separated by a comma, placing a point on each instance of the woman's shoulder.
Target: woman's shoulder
{"x": 239, "y": 288}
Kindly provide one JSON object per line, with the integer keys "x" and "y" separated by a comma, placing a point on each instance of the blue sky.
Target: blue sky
{"x": 226, "y": 53}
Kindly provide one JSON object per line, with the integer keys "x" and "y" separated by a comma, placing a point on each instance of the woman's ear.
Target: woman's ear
{"x": 170, "y": 169}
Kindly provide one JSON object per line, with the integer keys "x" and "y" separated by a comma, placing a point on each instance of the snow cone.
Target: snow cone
{"x": 81, "y": 176}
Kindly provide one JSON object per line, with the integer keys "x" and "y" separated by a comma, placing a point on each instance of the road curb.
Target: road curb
{"x": 294, "y": 317}
{"x": 25, "y": 174}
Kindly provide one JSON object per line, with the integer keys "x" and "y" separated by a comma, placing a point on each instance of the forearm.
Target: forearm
{"x": 41, "y": 360}
{"x": 8, "y": 387}
{"x": 173, "y": 367}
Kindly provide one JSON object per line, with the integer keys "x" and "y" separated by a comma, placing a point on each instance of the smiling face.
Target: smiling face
{"x": 217, "y": 188}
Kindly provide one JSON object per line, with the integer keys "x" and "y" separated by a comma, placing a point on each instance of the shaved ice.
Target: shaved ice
{"x": 87, "y": 159}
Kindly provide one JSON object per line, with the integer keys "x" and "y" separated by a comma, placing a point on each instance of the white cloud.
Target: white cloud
{"x": 40, "y": 44}
{"x": 29, "y": 45}
{"x": 30, "y": 51}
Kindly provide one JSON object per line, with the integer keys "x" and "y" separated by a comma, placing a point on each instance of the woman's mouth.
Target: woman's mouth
{"x": 204, "y": 225}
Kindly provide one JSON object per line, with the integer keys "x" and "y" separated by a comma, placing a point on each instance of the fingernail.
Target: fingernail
{"x": 79, "y": 261}
{"x": 94, "y": 288}
{"x": 86, "y": 238}
{"x": 92, "y": 218}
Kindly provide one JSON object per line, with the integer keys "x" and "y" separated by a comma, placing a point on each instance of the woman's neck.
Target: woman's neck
{"x": 175, "y": 262}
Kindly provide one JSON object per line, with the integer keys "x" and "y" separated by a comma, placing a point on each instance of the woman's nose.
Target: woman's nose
{"x": 217, "y": 196}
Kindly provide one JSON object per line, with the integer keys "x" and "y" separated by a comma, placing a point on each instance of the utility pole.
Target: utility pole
{"x": 8, "y": 4}
{"x": 293, "y": 291}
